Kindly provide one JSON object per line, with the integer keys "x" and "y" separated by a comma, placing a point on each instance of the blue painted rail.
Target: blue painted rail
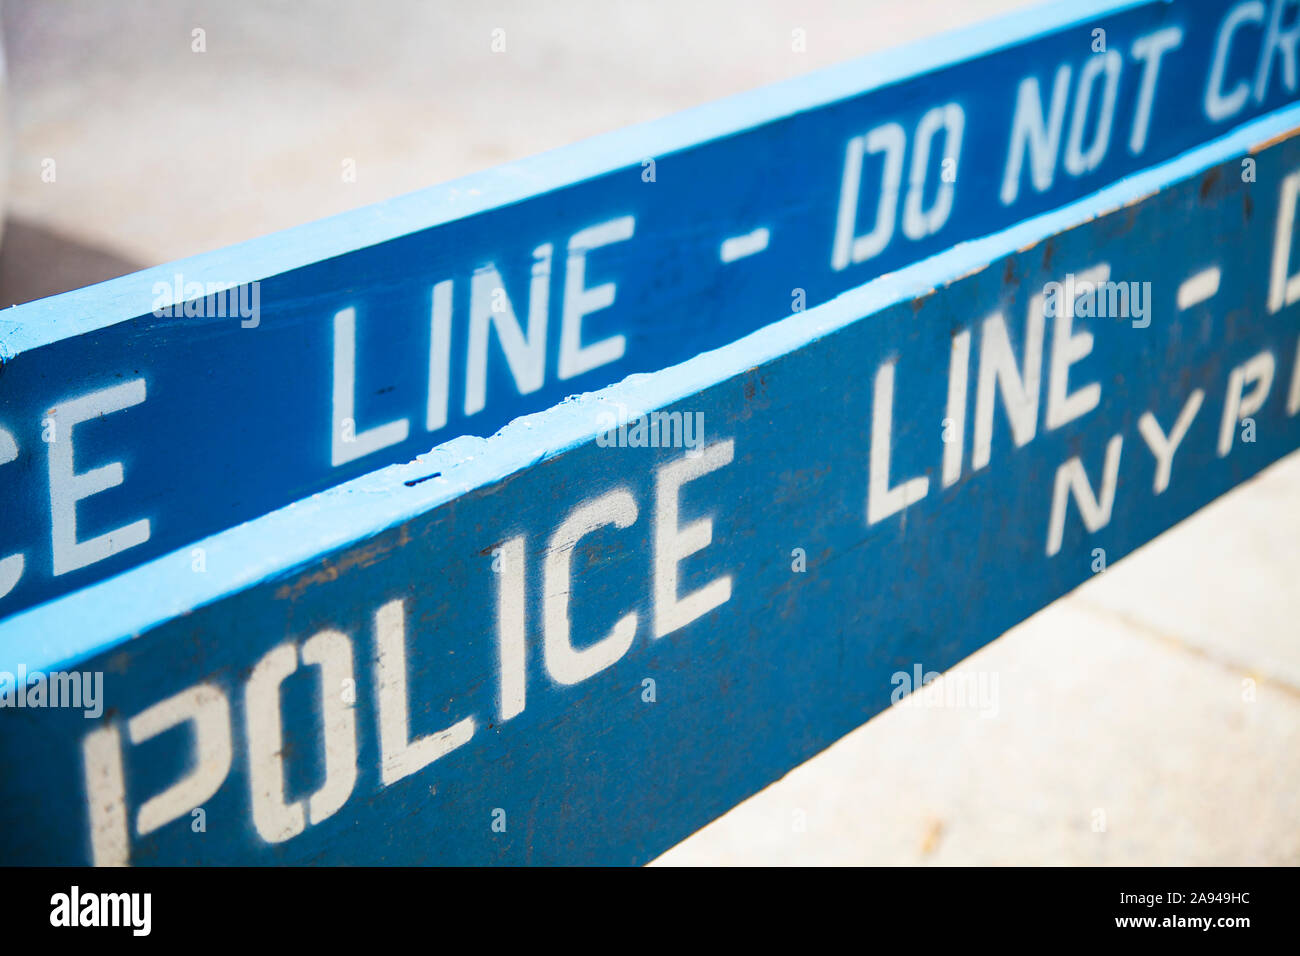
{"x": 581, "y": 639}
{"x": 141, "y": 415}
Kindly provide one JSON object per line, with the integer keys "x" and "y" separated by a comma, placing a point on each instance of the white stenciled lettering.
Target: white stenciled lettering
{"x": 882, "y": 500}
{"x": 1221, "y": 104}
{"x": 1040, "y": 136}
{"x": 1072, "y": 480}
{"x": 400, "y": 756}
{"x": 67, "y": 487}
{"x": 11, "y": 566}
{"x": 917, "y": 222}
{"x": 1279, "y": 44}
{"x": 1069, "y": 347}
{"x": 1165, "y": 447}
{"x": 275, "y": 819}
{"x": 1293, "y": 396}
{"x": 490, "y": 307}
{"x": 565, "y": 663}
{"x": 1257, "y": 374}
{"x": 674, "y": 542}
{"x": 580, "y": 301}
{"x": 998, "y": 371}
{"x": 1150, "y": 49}
{"x": 509, "y": 563}
{"x": 346, "y": 442}
{"x": 954, "y": 435}
{"x": 439, "y": 356}
{"x": 890, "y": 140}
{"x": 1104, "y": 67}
{"x": 1283, "y": 285}
{"x": 206, "y": 709}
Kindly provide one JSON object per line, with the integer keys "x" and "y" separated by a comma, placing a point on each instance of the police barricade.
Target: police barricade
{"x": 141, "y": 415}
{"x": 584, "y": 637}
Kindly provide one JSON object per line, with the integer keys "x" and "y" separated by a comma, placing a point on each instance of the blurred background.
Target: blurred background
{"x": 1152, "y": 716}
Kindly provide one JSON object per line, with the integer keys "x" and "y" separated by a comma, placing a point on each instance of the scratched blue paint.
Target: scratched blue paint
{"x": 237, "y": 421}
{"x": 590, "y": 771}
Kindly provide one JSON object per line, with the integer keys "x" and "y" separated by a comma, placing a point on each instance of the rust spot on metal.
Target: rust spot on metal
{"x": 1280, "y": 137}
{"x": 1208, "y": 183}
{"x": 362, "y": 557}
{"x": 965, "y": 275}
{"x": 1132, "y": 203}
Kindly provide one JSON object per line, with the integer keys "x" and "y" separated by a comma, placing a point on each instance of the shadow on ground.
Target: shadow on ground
{"x": 36, "y": 262}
